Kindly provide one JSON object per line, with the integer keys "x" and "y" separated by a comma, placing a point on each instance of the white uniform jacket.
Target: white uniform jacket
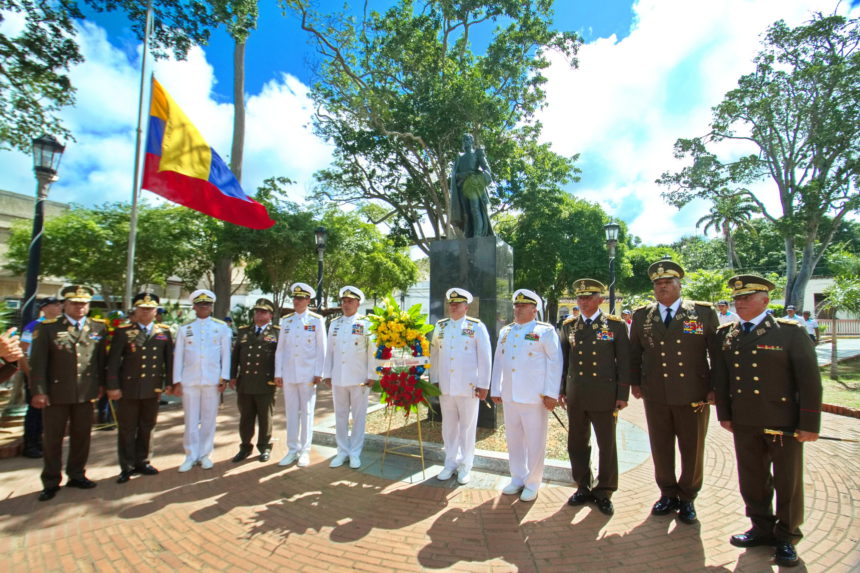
{"x": 350, "y": 356}
{"x": 202, "y": 355}
{"x": 300, "y": 355}
{"x": 460, "y": 356}
{"x": 528, "y": 361}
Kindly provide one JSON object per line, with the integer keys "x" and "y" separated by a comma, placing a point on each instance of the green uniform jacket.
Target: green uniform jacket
{"x": 769, "y": 377}
{"x": 253, "y": 361}
{"x": 66, "y": 365}
{"x": 139, "y": 366}
{"x": 671, "y": 364}
{"x": 596, "y": 363}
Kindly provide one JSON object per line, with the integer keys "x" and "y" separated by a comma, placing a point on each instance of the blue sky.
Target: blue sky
{"x": 649, "y": 73}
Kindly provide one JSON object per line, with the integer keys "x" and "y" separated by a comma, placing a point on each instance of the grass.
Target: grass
{"x": 845, "y": 391}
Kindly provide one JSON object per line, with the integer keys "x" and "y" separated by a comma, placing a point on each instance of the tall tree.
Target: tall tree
{"x": 800, "y": 110}
{"x": 397, "y": 91}
{"x": 728, "y": 213}
{"x": 639, "y": 259}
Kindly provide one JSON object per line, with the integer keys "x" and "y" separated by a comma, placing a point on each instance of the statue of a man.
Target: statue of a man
{"x": 470, "y": 179}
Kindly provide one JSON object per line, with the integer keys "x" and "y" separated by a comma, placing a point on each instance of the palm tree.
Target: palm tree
{"x": 729, "y": 213}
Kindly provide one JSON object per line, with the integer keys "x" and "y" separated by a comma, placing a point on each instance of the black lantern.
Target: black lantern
{"x": 320, "y": 237}
{"x": 611, "y": 229}
{"x": 47, "y": 152}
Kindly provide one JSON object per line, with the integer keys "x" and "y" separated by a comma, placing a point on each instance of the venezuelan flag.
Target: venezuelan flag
{"x": 181, "y": 167}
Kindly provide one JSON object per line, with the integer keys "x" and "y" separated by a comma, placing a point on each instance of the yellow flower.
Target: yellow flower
{"x": 411, "y": 334}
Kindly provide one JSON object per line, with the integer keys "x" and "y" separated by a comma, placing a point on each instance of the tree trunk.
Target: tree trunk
{"x": 727, "y": 236}
{"x": 834, "y": 355}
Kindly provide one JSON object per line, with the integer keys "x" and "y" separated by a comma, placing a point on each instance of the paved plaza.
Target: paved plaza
{"x": 261, "y": 516}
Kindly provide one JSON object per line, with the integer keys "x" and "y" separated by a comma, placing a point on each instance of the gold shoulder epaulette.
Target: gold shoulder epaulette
{"x": 510, "y": 324}
{"x": 638, "y": 308}
{"x": 543, "y": 323}
{"x": 162, "y": 325}
{"x": 289, "y": 315}
{"x": 360, "y": 316}
{"x": 189, "y": 323}
{"x": 246, "y": 327}
{"x": 703, "y": 303}
{"x": 473, "y": 319}
{"x": 218, "y": 320}
{"x": 126, "y": 325}
{"x": 276, "y": 327}
{"x": 441, "y": 320}
{"x": 788, "y": 321}
{"x": 614, "y": 318}
{"x": 725, "y": 325}
{"x": 315, "y": 315}
{"x": 49, "y": 321}
{"x": 569, "y": 319}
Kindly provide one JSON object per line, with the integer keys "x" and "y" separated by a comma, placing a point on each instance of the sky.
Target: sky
{"x": 649, "y": 72}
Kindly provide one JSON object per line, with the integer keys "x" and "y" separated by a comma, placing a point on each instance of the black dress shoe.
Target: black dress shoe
{"x": 665, "y": 505}
{"x": 687, "y": 512}
{"x": 264, "y": 457}
{"x": 48, "y": 493}
{"x": 82, "y": 483}
{"x": 243, "y": 454}
{"x": 604, "y": 504}
{"x": 146, "y": 470}
{"x": 751, "y": 539}
{"x": 785, "y": 555}
{"x": 123, "y": 477}
{"x": 580, "y": 497}
{"x": 35, "y": 453}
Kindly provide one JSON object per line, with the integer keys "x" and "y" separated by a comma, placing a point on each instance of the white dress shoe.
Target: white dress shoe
{"x": 338, "y": 461}
{"x": 512, "y": 489}
{"x": 354, "y": 462}
{"x": 186, "y": 465}
{"x": 288, "y": 459}
{"x": 445, "y": 474}
{"x": 528, "y": 494}
{"x": 206, "y": 463}
{"x": 304, "y": 460}
{"x": 464, "y": 477}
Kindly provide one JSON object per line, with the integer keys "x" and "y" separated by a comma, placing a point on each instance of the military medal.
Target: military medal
{"x": 532, "y": 336}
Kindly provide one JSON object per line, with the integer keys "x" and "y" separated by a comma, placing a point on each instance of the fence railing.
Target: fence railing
{"x": 843, "y": 326}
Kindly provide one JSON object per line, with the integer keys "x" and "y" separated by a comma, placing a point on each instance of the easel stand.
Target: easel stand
{"x": 399, "y": 450}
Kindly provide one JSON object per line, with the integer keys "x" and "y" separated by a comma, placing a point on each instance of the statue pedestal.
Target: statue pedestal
{"x": 484, "y": 266}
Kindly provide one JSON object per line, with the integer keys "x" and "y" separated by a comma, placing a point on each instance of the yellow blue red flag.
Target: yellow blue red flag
{"x": 181, "y": 167}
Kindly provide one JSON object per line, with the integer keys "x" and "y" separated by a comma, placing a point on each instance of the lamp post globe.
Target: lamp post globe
{"x": 320, "y": 235}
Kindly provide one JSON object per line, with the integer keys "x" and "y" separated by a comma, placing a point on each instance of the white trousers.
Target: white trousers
{"x": 349, "y": 400}
{"x": 525, "y": 431}
{"x": 200, "y": 405}
{"x": 299, "y": 403}
{"x": 459, "y": 423}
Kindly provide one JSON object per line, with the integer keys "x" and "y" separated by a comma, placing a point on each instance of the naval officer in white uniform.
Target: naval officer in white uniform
{"x": 526, "y": 370}
{"x": 461, "y": 365}
{"x": 350, "y": 370}
{"x": 201, "y": 369}
{"x": 299, "y": 361}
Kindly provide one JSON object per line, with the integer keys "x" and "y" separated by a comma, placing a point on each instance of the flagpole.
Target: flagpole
{"x": 135, "y": 188}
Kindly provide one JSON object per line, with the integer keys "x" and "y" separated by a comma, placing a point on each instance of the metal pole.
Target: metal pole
{"x": 611, "y": 277}
{"x": 320, "y": 254}
{"x": 28, "y": 312}
{"x": 135, "y": 190}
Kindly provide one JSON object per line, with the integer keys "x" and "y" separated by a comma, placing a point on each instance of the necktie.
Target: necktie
{"x": 77, "y": 327}
{"x": 748, "y": 326}
{"x": 588, "y": 321}
{"x": 668, "y": 316}
{"x": 259, "y": 330}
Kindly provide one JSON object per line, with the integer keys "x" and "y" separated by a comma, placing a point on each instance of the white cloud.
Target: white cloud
{"x": 630, "y": 100}
{"x": 98, "y": 166}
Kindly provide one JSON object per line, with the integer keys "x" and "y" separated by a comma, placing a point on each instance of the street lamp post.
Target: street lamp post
{"x": 47, "y": 152}
{"x": 320, "y": 236}
{"x": 611, "y": 230}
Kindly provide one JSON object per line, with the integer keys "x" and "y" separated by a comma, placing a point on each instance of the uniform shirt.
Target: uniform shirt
{"x": 140, "y": 362}
{"x": 460, "y": 356}
{"x": 527, "y": 364}
{"x": 812, "y": 326}
{"x": 728, "y": 317}
{"x": 202, "y": 356}
{"x": 253, "y": 360}
{"x": 300, "y": 356}
{"x": 798, "y": 319}
{"x": 350, "y": 354}
{"x": 768, "y": 377}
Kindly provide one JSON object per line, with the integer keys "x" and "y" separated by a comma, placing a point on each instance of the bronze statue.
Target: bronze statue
{"x": 470, "y": 179}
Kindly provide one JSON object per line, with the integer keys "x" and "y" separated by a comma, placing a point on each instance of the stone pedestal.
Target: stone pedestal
{"x": 485, "y": 267}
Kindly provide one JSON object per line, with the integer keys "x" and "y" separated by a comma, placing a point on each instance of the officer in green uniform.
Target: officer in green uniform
{"x": 140, "y": 368}
{"x": 670, "y": 342}
{"x": 253, "y": 377}
{"x": 67, "y": 367}
{"x": 595, "y": 385}
{"x": 766, "y": 377}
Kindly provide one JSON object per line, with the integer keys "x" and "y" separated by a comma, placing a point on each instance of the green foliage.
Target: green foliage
{"x": 728, "y": 213}
{"x": 639, "y": 259}
{"x": 800, "y": 108}
{"x": 90, "y": 246}
{"x": 398, "y": 89}
{"x": 706, "y": 286}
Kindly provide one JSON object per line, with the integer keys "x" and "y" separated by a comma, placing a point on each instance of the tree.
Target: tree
{"x": 800, "y": 111}
{"x": 34, "y": 64}
{"x": 398, "y": 90}
{"x": 557, "y": 243}
{"x": 844, "y": 294}
{"x": 697, "y": 252}
{"x": 729, "y": 212}
{"x": 639, "y": 259}
{"x": 89, "y": 246}
{"x": 707, "y": 286}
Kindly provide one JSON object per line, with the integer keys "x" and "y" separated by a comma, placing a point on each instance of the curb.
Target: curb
{"x": 840, "y": 410}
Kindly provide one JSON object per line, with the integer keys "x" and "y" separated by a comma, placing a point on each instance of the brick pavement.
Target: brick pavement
{"x": 253, "y": 515}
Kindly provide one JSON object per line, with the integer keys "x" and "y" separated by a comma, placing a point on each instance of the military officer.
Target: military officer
{"x": 201, "y": 369}
{"x": 462, "y": 363}
{"x": 670, "y": 341}
{"x": 299, "y": 361}
{"x": 67, "y": 369}
{"x": 595, "y": 385}
{"x": 526, "y": 370}
{"x": 350, "y": 370}
{"x": 253, "y": 377}
{"x": 766, "y": 376}
{"x": 139, "y": 369}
